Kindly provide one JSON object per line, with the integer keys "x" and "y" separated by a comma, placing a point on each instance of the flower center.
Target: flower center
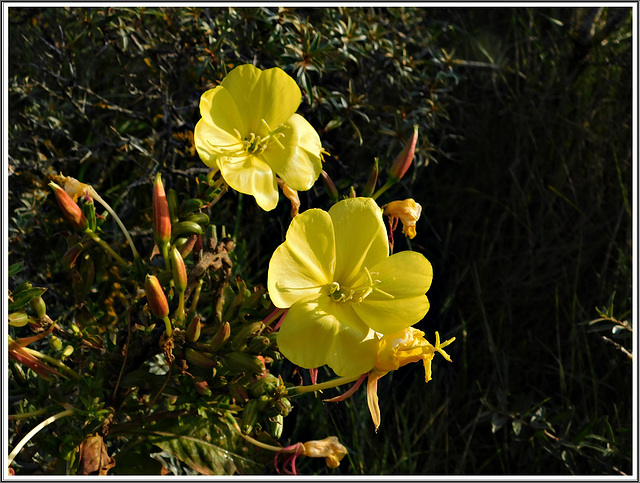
{"x": 358, "y": 293}
{"x": 251, "y": 143}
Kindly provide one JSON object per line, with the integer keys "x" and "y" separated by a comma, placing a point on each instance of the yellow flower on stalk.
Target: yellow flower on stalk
{"x": 335, "y": 275}
{"x": 399, "y": 349}
{"x": 250, "y": 132}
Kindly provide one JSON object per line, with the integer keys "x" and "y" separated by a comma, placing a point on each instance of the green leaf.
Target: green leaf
{"x": 15, "y": 268}
{"x": 206, "y": 445}
{"x": 23, "y": 297}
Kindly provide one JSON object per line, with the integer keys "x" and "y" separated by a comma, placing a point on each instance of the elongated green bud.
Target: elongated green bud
{"x": 218, "y": 340}
{"x": 249, "y": 415}
{"x": 172, "y": 201}
{"x": 193, "y": 331}
{"x": 18, "y": 319}
{"x": 156, "y": 298}
{"x": 70, "y": 209}
{"x": 276, "y": 425}
{"x": 240, "y": 337}
{"x": 238, "y": 362}
{"x": 187, "y": 227}
{"x": 189, "y": 206}
{"x": 198, "y": 359}
{"x": 179, "y": 270}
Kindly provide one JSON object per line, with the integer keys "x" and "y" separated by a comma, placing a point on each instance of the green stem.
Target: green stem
{"x": 53, "y": 361}
{"x": 323, "y": 385}
{"x": 97, "y": 197}
{"x": 29, "y": 415}
{"x": 34, "y": 431}
{"x": 390, "y": 182}
{"x": 167, "y": 326}
{"x": 179, "y": 314}
{"x": 260, "y": 444}
{"x": 94, "y": 236}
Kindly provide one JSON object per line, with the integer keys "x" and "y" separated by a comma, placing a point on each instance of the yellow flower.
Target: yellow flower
{"x": 396, "y": 350}
{"x": 250, "y": 132}
{"x": 335, "y": 275}
{"x": 408, "y": 211}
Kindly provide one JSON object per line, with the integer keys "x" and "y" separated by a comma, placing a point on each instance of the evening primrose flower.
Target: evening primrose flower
{"x": 250, "y": 132}
{"x": 399, "y": 349}
{"x": 335, "y": 275}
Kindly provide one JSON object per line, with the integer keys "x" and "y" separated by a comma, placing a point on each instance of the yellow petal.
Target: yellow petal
{"x": 317, "y": 331}
{"x": 361, "y": 238}
{"x": 372, "y": 397}
{"x": 251, "y": 176}
{"x": 207, "y": 137}
{"x": 218, "y": 107}
{"x": 303, "y": 263}
{"x": 399, "y": 300}
{"x": 271, "y": 95}
{"x": 299, "y": 163}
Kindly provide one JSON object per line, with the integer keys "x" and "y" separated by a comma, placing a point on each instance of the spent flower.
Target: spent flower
{"x": 408, "y": 211}
{"x": 250, "y": 132}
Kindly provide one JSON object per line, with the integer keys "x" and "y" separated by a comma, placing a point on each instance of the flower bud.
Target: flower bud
{"x": 408, "y": 211}
{"x": 156, "y": 298}
{"x": 161, "y": 216}
{"x": 193, "y": 331}
{"x": 187, "y": 246}
{"x": 238, "y": 362}
{"x": 18, "y": 319}
{"x": 202, "y": 387}
{"x": 240, "y": 337}
{"x": 258, "y": 344}
{"x": 283, "y": 406}
{"x": 402, "y": 162}
{"x": 39, "y": 307}
{"x": 249, "y": 415}
{"x": 71, "y": 255}
{"x": 265, "y": 385}
{"x": 218, "y": 340}
{"x": 330, "y": 188}
{"x": 70, "y": 209}
{"x": 276, "y": 425}
{"x": 172, "y": 201}
{"x": 179, "y": 270}
{"x": 55, "y": 343}
{"x": 373, "y": 179}
{"x": 198, "y": 359}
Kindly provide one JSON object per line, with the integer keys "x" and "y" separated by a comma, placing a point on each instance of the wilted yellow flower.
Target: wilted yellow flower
{"x": 250, "y": 132}
{"x": 408, "y": 211}
{"x": 396, "y": 350}
{"x": 335, "y": 275}
{"x": 329, "y": 448}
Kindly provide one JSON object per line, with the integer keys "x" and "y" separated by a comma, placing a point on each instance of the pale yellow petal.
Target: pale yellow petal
{"x": 211, "y": 141}
{"x": 302, "y": 265}
{"x": 361, "y": 238}
{"x": 317, "y": 331}
{"x": 297, "y": 160}
{"x": 398, "y": 300}
{"x": 218, "y": 107}
{"x": 271, "y": 95}
{"x": 251, "y": 176}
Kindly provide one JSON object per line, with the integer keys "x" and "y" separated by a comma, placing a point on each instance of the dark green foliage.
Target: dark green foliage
{"x": 523, "y": 170}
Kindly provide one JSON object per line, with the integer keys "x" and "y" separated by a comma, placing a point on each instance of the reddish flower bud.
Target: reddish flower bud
{"x": 402, "y": 162}
{"x": 70, "y": 209}
{"x": 330, "y": 187}
{"x": 156, "y": 299}
{"x": 186, "y": 247}
{"x": 161, "y": 216}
